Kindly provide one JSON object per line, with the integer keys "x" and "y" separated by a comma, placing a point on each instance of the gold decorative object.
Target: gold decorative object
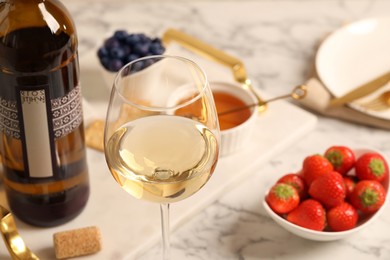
{"x": 362, "y": 90}
{"x": 208, "y": 51}
{"x": 379, "y": 103}
{"x": 297, "y": 93}
{"x": 14, "y": 242}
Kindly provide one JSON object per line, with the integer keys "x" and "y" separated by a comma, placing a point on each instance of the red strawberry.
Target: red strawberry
{"x": 368, "y": 196}
{"x": 350, "y": 184}
{"x": 309, "y": 214}
{"x": 314, "y": 166}
{"x": 282, "y": 198}
{"x": 341, "y": 157}
{"x": 371, "y": 166}
{"x": 342, "y": 217}
{"x": 329, "y": 189}
{"x": 297, "y": 182}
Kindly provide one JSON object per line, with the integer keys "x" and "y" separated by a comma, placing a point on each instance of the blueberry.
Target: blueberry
{"x": 137, "y": 66}
{"x": 115, "y": 65}
{"x": 147, "y": 63}
{"x": 157, "y": 40}
{"x": 156, "y": 48}
{"x": 127, "y": 49}
{"x": 132, "y": 39}
{"x": 102, "y": 52}
{"x": 122, "y": 48}
{"x": 105, "y": 61}
{"x": 120, "y": 35}
{"x": 143, "y": 38}
{"x": 111, "y": 43}
{"x": 117, "y": 53}
{"x": 132, "y": 57}
{"x": 141, "y": 49}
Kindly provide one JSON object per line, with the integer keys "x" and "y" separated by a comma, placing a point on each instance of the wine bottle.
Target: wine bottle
{"x": 41, "y": 122}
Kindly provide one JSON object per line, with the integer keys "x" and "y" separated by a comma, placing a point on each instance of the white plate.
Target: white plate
{"x": 354, "y": 55}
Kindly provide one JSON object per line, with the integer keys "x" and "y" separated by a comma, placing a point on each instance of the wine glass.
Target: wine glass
{"x": 162, "y": 133}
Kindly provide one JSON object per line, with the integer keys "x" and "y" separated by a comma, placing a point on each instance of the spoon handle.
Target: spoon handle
{"x": 297, "y": 93}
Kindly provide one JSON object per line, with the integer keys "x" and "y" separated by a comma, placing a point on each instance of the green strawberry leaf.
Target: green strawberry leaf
{"x": 284, "y": 191}
{"x": 377, "y": 167}
{"x": 335, "y": 158}
{"x": 369, "y": 197}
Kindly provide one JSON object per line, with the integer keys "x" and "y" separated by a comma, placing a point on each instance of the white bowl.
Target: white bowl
{"x": 238, "y": 137}
{"x": 108, "y": 77}
{"x": 235, "y": 138}
{"x": 329, "y": 235}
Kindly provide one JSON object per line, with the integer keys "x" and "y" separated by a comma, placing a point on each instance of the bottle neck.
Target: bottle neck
{"x": 19, "y": 14}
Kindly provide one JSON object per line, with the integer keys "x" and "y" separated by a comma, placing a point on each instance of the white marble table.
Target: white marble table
{"x": 276, "y": 39}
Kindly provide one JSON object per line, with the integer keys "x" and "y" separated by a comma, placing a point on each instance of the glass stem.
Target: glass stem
{"x": 165, "y": 230}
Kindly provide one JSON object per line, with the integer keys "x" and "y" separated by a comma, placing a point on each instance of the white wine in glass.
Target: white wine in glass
{"x": 162, "y": 133}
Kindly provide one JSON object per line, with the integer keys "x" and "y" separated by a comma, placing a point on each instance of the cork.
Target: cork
{"x": 77, "y": 242}
{"x": 94, "y": 135}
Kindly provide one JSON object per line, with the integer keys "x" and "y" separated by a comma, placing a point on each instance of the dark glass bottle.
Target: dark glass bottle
{"x": 41, "y": 123}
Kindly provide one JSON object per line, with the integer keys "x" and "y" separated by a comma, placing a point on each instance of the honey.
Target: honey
{"x": 224, "y": 102}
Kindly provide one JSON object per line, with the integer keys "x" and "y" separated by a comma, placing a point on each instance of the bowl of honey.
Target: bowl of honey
{"x": 235, "y": 118}
{"x": 236, "y": 112}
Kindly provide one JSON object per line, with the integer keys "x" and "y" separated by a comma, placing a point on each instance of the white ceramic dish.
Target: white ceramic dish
{"x": 108, "y": 77}
{"x": 354, "y": 55}
{"x": 328, "y": 235}
{"x": 238, "y": 137}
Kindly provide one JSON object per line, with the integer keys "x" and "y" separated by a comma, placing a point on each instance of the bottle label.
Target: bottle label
{"x": 36, "y": 133}
{"x": 41, "y": 121}
{"x": 67, "y": 113}
{"x": 9, "y": 123}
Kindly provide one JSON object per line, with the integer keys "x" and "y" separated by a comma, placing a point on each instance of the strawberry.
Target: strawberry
{"x": 342, "y": 217}
{"x": 297, "y": 182}
{"x": 341, "y": 157}
{"x": 309, "y": 214}
{"x": 282, "y": 198}
{"x": 368, "y": 196}
{"x": 329, "y": 189}
{"x": 350, "y": 184}
{"x": 314, "y": 166}
{"x": 371, "y": 166}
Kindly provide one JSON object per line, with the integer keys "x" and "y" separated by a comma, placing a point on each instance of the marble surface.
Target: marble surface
{"x": 276, "y": 39}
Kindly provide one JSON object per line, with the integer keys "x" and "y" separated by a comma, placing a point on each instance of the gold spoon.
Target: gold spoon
{"x": 297, "y": 93}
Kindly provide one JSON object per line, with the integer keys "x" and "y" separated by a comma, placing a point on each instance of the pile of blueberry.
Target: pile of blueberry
{"x": 122, "y": 48}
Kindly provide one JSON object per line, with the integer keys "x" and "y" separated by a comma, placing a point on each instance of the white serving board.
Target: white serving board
{"x": 130, "y": 226}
